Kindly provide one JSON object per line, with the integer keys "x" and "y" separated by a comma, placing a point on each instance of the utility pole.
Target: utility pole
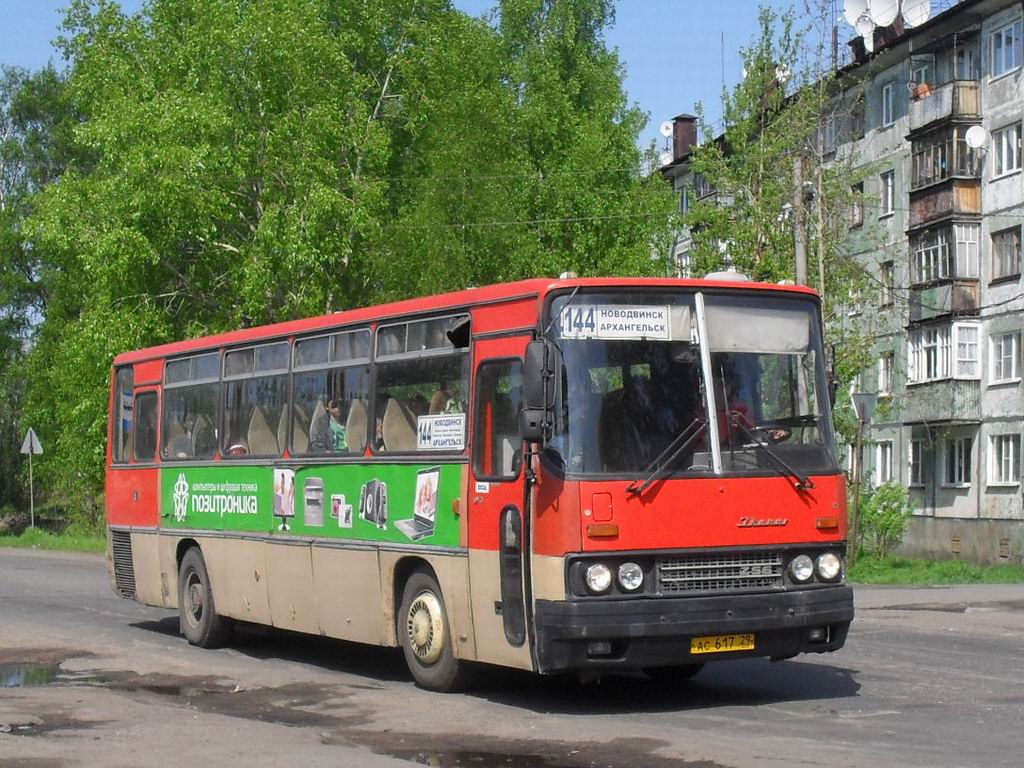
{"x": 799, "y": 224}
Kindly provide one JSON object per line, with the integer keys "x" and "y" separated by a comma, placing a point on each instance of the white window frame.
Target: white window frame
{"x": 885, "y": 371}
{"x": 1004, "y": 460}
{"x": 1009, "y": 57}
{"x": 888, "y": 105}
{"x": 967, "y": 351}
{"x": 961, "y": 450}
{"x": 887, "y": 189}
{"x": 1008, "y": 240}
{"x": 931, "y": 256}
{"x": 1006, "y": 150}
{"x": 1004, "y": 357}
{"x": 967, "y": 238}
{"x": 915, "y": 461}
{"x": 883, "y": 462}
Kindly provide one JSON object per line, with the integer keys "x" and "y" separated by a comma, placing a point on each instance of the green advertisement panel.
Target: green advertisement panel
{"x": 398, "y": 503}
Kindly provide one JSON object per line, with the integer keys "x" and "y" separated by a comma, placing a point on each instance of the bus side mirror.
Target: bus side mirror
{"x": 540, "y": 371}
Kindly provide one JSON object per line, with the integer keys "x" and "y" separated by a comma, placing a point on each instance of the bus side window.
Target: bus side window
{"x": 145, "y": 433}
{"x": 330, "y": 394}
{"x": 191, "y": 390}
{"x": 124, "y": 406}
{"x": 255, "y": 395}
{"x": 496, "y": 430}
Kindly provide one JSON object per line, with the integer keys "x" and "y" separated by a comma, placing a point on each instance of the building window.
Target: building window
{"x": 957, "y": 461}
{"x": 916, "y": 462}
{"x": 1004, "y": 460}
{"x": 1006, "y": 253}
{"x": 930, "y": 353}
{"x": 1006, "y": 49}
{"x": 883, "y": 462}
{"x": 1005, "y": 357}
{"x": 885, "y": 367}
{"x": 968, "y": 357}
{"x": 1006, "y": 150}
{"x": 886, "y": 274}
{"x": 888, "y": 192}
{"x": 921, "y": 74}
{"x": 933, "y": 260}
{"x": 888, "y": 112}
{"x": 966, "y": 63}
{"x": 967, "y": 249}
{"x": 857, "y": 205}
{"x": 931, "y": 256}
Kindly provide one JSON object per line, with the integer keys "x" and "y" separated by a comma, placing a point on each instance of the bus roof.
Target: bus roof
{"x": 537, "y": 287}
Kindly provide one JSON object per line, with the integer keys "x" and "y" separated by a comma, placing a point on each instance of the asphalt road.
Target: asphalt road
{"x": 929, "y": 677}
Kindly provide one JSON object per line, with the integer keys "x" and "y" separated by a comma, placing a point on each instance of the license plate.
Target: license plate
{"x": 722, "y": 643}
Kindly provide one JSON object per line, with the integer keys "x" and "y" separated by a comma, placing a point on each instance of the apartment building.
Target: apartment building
{"x": 934, "y": 114}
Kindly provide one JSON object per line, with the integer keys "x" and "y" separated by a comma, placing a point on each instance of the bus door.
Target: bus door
{"x": 133, "y": 487}
{"x": 498, "y": 532}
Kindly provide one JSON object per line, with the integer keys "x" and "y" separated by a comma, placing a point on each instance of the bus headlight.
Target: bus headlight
{"x": 599, "y": 578}
{"x": 801, "y": 568}
{"x": 631, "y": 576}
{"x": 829, "y": 566}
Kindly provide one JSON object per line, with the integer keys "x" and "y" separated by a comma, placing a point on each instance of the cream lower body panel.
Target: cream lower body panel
{"x": 491, "y": 644}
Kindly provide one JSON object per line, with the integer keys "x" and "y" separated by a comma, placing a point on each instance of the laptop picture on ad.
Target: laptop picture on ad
{"x": 421, "y": 524}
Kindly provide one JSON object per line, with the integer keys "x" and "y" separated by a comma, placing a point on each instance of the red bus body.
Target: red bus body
{"x": 742, "y": 530}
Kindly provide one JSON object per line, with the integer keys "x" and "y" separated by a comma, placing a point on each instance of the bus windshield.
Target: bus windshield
{"x": 636, "y": 378}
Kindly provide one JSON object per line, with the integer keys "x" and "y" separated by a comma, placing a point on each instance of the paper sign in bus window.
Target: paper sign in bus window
{"x": 441, "y": 432}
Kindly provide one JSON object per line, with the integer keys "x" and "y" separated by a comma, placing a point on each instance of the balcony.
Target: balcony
{"x": 946, "y": 401}
{"x": 956, "y": 99}
{"x": 942, "y": 155}
{"x": 953, "y": 297}
{"x": 955, "y": 197}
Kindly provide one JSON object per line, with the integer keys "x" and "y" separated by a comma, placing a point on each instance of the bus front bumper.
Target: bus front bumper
{"x": 633, "y": 634}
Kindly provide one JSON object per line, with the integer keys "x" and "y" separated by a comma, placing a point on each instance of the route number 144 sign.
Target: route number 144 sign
{"x": 615, "y": 321}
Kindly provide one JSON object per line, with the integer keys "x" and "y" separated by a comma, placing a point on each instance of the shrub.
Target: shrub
{"x": 884, "y": 517}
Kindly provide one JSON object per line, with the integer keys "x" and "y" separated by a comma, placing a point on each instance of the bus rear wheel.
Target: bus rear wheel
{"x": 426, "y": 638}
{"x": 200, "y": 623}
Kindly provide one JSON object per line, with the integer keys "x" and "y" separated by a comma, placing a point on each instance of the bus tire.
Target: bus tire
{"x": 425, "y": 636}
{"x": 200, "y": 623}
{"x": 674, "y": 674}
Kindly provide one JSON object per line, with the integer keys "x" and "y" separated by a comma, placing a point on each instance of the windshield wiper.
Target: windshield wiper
{"x": 802, "y": 482}
{"x": 667, "y": 456}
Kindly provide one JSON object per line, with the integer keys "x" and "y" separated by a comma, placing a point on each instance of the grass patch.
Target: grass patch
{"x": 904, "y": 570}
{"x": 36, "y": 538}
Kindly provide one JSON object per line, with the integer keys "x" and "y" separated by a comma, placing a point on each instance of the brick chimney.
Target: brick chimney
{"x": 684, "y": 136}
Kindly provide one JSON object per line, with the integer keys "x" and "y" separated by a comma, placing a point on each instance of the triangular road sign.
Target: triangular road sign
{"x": 32, "y": 444}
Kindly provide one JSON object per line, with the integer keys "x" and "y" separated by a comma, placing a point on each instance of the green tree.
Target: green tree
{"x": 241, "y": 163}
{"x": 884, "y": 517}
{"x": 772, "y": 120}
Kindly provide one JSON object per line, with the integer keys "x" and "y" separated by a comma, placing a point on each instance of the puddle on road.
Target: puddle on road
{"x": 459, "y": 751}
{"x": 321, "y": 706}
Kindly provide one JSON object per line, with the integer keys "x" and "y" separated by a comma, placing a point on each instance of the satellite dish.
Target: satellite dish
{"x": 666, "y": 129}
{"x": 854, "y": 9}
{"x": 865, "y": 27}
{"x": 976, "y": 137}
{"x": 916, "y": 12}
{"x": 665, "y": 157}
{"x": 884, "y": 12}
{"x": 869, "y": 43}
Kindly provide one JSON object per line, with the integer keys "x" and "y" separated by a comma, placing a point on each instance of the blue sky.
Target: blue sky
{"x": 672, "y": 50}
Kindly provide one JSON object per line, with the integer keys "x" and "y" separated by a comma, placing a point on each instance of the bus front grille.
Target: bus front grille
{"x": 708, "y": 574}
{"x": 124, "y": 567}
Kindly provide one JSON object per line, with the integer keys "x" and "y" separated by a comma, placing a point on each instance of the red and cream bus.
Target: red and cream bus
{"x": 586, "y": 475}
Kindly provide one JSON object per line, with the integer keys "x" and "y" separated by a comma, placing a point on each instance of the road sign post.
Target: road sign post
{"x": 30, "y": 446}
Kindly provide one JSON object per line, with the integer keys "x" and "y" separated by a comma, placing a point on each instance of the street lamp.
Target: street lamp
{"x": 864, "y": 404}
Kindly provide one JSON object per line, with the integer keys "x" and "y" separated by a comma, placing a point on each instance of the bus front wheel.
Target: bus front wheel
{"x": 200, "y": 623}
{"x": 426, "y": 638}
